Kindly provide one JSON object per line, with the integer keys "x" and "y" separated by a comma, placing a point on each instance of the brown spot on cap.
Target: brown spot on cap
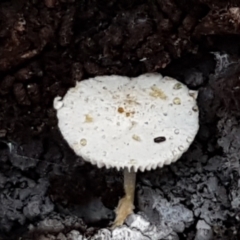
{"x": 120, "y": 110}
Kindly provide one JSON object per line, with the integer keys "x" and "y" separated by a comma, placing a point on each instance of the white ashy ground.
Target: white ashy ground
{"x": 136, "y": 227}
{"x": 172, "y": 218}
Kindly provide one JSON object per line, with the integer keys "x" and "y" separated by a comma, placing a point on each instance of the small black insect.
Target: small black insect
{"x": 159, "y": 139}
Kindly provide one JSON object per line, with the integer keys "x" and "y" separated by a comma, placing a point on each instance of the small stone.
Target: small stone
{"x": 181, "y": 148}
{"x": 176, "y": 131}
{"x": 174, "y": 152}
{"x": 193, "y": 94}
{"x": 195, "y": 109}
{"x": 177, "y": 86}
{"x": 83, "y": 142}
{"x": 136, "y": 137}
{"x": 88, "y": 118}
{"x": 58, "y": 103}
{"x": 157, "y": 93}
{"x": 177, "y": 101}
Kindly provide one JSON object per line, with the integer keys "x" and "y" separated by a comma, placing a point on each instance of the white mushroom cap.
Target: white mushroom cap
{"x": 136, "y": 123}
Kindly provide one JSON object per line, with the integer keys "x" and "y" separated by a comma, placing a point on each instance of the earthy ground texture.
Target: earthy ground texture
{"x": 46, "y": 46}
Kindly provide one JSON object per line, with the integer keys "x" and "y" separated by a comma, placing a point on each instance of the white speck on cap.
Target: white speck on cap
{"x": 57, "y": 103}
{"x": 161, "y": 132}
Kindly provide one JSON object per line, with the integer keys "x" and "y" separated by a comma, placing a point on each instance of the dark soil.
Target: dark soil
{"x": 46, "y": 46}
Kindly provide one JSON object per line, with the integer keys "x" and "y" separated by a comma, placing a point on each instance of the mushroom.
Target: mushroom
{"x": 128, "y": 123}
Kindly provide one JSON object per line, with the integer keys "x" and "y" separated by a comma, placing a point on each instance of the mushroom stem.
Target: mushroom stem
{"x": 129, "y": 183}
{"x": 126, "y": 204}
